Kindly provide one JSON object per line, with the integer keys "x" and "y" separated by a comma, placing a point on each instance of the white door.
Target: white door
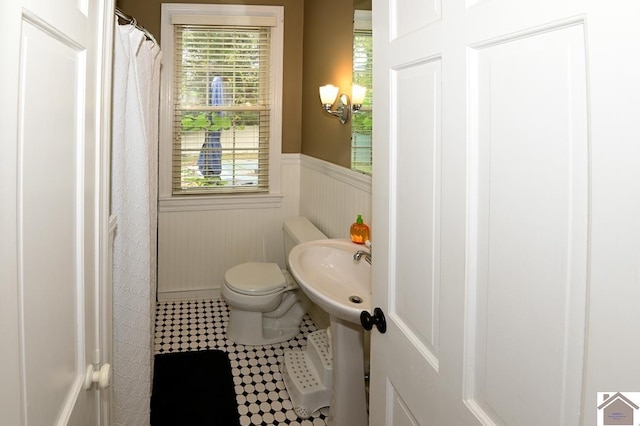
{"x": 52, "y": 220}
{"x": 506, "y": 204}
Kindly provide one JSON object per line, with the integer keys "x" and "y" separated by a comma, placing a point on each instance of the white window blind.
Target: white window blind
{"x": 362, "y": 122}
{"x": 221, "y": 109}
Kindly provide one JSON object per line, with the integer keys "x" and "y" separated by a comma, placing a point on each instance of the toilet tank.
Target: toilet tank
{"x": 299, "y": 230}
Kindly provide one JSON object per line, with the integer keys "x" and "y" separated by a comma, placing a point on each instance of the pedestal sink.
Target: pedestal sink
{"x": 329, "y": 275}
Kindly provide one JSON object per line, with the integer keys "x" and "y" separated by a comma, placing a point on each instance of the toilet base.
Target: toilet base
{"x": 256, "y": 328}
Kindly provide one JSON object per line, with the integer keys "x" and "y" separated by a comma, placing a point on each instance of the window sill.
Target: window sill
{"x": 219, "y": 202}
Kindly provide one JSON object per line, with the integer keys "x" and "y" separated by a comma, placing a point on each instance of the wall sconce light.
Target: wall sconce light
{"x": 344, "y": 107}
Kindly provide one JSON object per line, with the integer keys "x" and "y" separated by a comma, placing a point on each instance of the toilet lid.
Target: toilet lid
{"x": 255, "y": 278}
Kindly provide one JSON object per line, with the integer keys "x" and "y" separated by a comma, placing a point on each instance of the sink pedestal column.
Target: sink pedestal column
{"x": 349, "y": 400}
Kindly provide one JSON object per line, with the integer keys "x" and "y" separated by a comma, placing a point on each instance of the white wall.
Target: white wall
{"x": 198, "y": 244}
{"x": 332, "y": 196}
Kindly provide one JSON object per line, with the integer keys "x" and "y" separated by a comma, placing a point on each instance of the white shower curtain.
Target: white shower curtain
{"x": 136, "y": 85}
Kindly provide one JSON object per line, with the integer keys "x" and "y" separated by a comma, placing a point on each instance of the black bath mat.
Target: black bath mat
{"x": 193, "y": 388}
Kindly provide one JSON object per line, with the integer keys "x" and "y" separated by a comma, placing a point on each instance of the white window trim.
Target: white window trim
{"x": 166, "y": 100}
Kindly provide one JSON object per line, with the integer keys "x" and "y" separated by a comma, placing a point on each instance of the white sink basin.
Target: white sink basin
{"x": 328, "y": 274}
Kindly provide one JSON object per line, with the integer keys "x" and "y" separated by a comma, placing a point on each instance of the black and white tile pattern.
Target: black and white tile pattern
{"x": 262, "y": 398}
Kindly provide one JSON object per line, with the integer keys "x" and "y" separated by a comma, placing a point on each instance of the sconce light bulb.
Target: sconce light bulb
{"x": 357, "y": 94}
{"x": 328, "y": 94}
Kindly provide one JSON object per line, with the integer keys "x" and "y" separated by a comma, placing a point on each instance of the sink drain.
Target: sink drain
{"x": 355, "y": 299}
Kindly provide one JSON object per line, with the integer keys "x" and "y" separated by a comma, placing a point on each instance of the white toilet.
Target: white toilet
{"x": 264, "y": 301}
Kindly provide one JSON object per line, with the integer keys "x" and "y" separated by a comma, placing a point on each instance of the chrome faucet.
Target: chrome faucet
{"x": 358, "y": 255}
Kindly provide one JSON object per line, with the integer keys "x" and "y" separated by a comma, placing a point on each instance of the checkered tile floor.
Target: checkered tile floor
{"x": 260, "y": 391}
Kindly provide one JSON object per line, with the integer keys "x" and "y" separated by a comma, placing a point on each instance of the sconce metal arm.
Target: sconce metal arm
{"x": 343, "y": 108}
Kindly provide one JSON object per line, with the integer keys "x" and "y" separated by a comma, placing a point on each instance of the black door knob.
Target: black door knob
{"x": 368, "y": 321}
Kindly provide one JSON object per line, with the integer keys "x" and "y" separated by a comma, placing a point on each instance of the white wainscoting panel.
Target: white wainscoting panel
{"x": 197, "y": 247}
{"x": 331, "y": 196}
{"x": 290, "y": 184}
{"x": 198, "y": 242}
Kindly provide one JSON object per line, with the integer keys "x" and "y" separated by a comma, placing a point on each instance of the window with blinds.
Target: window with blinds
{"x": 221, "y": 108}
{"x": 362, "y": 122}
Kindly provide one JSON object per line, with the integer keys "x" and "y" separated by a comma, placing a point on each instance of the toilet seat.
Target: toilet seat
{"x": 256, "y": 278}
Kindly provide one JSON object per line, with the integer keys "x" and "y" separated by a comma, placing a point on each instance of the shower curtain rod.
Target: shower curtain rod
{"x": 132, "y": 21}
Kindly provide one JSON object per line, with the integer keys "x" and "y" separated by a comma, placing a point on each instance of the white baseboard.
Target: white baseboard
{"x": 213, "y": 294}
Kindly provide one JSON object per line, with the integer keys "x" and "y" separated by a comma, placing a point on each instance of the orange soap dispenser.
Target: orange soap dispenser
{"x": 359, "y": 231}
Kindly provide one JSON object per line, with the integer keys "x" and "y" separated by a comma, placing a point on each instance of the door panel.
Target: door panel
{"x": 528, "y": 229}
{"x": 415, "y": 286}
{"x": 400, "y": 413}
{"x": 51, "y": 234}
{"x": 503, "y": 180}
{"x": 411, "y": 15}
{"x": 52, "y": 187}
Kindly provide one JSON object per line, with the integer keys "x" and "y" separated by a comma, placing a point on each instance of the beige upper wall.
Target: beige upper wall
{"x": 318, "y": 37}
{"x": 328, "y": 59}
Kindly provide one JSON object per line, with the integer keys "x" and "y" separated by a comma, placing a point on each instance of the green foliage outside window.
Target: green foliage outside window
{"x": 362, "y": 121}
{"x": 204, "y": 121}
